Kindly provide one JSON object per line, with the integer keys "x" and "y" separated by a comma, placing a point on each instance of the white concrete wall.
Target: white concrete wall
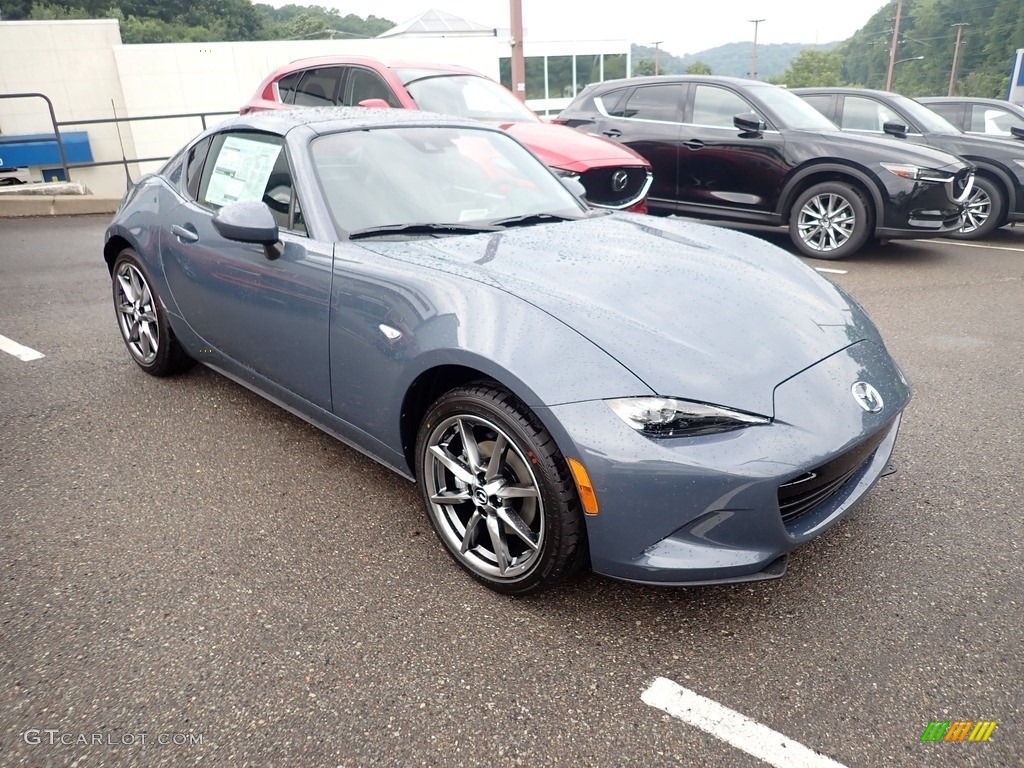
{"x": 83, "y": 67}
{"x": 73, "y": 63}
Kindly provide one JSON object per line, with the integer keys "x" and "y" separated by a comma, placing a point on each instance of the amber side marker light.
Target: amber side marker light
{"x": 584, "y": 486}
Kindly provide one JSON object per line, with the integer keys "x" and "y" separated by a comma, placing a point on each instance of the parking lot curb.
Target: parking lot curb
{"x": 55, "y": 205}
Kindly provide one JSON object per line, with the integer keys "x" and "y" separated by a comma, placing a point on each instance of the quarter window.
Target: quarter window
{"x": 194, "y": 167}
{"x": 286, "y": 87}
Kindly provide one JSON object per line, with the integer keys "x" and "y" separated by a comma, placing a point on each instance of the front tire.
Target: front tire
{"x": 830, "y": 221}
{"x": 983, "y": 212}
{"x": 498, "y": 491}
{"x": 142, "y": 321}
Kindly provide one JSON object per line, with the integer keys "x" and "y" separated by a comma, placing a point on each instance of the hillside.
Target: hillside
{"x": 732, "y": 59}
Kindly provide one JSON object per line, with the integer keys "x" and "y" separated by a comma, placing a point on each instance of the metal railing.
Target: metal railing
{"x": 58, "y": 124}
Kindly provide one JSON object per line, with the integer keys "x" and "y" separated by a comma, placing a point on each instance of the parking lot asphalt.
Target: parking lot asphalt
{"x": 192, "y": 576}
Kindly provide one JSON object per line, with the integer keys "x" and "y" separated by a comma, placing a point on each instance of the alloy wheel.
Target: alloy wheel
{"x": 977, "y": 210}
{"x": 826, "y": 222}
{"x": 136, "y": 313}
{"x": 484, "y": 497}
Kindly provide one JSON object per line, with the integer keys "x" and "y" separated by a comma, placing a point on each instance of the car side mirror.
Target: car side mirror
{"x": 249, "y": 223}
{"x": 899, "y": 130}
{"x": 1017, "y": 131}
{"x": 748, "y": 122}
{"x": 374, "y": 104}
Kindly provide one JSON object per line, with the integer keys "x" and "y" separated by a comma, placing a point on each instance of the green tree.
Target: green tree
{"x": 698, "y": 68}
{"x": 814, "y": 68}
{"x": 643, "y": 68}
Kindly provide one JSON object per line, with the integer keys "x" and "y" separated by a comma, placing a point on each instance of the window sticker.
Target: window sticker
{"x": 242, "y": 170}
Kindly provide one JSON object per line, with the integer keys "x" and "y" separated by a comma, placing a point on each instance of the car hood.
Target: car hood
{"x": 891, "y": 150}
{"x": 693, "y": 311}
{"x": 561, "y": 147}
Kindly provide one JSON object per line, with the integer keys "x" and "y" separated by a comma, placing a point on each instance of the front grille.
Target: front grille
{"x": 802, "y": 494}
{"x": 615, "y": 187}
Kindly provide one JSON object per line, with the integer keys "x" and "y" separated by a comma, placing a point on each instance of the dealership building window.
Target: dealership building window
{"x": 553, "y": 81}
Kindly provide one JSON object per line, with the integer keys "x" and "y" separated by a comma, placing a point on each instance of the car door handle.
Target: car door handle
{"x": 694, "y": 144}
{"x": 612, "y": 133}
{"x": 185, "y": 234}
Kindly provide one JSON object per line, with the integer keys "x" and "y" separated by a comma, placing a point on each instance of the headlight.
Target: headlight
{"x": 917, "y": 173}
{"x": 668, "y": 417}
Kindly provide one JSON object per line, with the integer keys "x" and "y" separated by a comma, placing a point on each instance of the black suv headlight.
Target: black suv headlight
{"x": 917, "y": 173}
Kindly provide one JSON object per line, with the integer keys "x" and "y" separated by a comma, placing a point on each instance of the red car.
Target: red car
{"x": 612, "y": 175}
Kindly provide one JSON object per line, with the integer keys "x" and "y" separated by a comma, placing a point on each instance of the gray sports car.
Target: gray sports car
{"x": 671, "y": 402}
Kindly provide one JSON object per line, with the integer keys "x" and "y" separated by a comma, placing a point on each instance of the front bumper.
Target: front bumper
{"x": 921, "y": 208}
{"x": 706, "y": 509}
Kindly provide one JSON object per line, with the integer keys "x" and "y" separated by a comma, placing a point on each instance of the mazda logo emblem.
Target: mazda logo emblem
{"x": 867, "y": 397}
{"x": 480, "y": 496}
{"x": 619, "y": 181}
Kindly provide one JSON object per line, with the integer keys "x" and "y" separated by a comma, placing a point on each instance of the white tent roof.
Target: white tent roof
{"x": 438, "y": 23}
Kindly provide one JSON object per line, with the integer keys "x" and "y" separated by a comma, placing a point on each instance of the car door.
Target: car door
{"x": 268, "y": 314}
{"x": 647, "y": 120}
{"x": 720, "y": 165}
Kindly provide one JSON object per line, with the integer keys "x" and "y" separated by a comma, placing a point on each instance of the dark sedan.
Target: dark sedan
{"x": 998, "y": 195}
{"x": 672, "y": 402}
{"x": 747, "y": 151}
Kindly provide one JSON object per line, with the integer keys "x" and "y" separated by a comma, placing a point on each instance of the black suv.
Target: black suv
{"x": 747, "y": 151}
{"x": 998, "y": 194}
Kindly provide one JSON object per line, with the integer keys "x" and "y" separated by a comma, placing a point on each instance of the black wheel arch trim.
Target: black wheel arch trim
{"x": 798, "y": 182}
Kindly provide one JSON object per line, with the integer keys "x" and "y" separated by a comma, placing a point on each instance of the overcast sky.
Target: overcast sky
{"x": 683, "y": 26}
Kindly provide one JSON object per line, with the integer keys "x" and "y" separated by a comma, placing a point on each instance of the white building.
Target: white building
{"x": 88, "y": 74}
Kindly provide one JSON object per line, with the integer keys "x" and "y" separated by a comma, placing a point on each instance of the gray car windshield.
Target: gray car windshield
{"x": 793, "y": 111}
{"x": 414, "y": 177}
{"x": 930, "y": 122}
{"x": 469, "y": 96}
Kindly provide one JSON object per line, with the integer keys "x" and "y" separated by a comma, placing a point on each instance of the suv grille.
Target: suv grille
{"x": 615, "y": 187}
{"x": 802, "y": 494}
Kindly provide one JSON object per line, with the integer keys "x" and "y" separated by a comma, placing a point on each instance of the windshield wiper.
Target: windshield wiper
{"x": 530, "y": 219}
{"x": 422, "y": 229}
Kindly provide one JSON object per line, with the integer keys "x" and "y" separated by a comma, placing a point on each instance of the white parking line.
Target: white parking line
{"x": 20, "y": 351}
{"x": 980, "y": 245}
{"x": 732, "y": 727}
{"x": 831, "y": 271}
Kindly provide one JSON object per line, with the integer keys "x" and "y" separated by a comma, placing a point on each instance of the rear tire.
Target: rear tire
{"x": 830, "y": 221}
{"x": 984, "y": 210}
{"x": 142, "y": 320}
{"x": 498, "y": 492}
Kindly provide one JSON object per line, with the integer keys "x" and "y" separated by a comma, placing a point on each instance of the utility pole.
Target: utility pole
{"x": 956, "y": 56}
{"x": 892, "y": 46}
{"x": 518, "y": 60}
{"x": 753, "y": 53}
{"x": 656, "y": 44}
